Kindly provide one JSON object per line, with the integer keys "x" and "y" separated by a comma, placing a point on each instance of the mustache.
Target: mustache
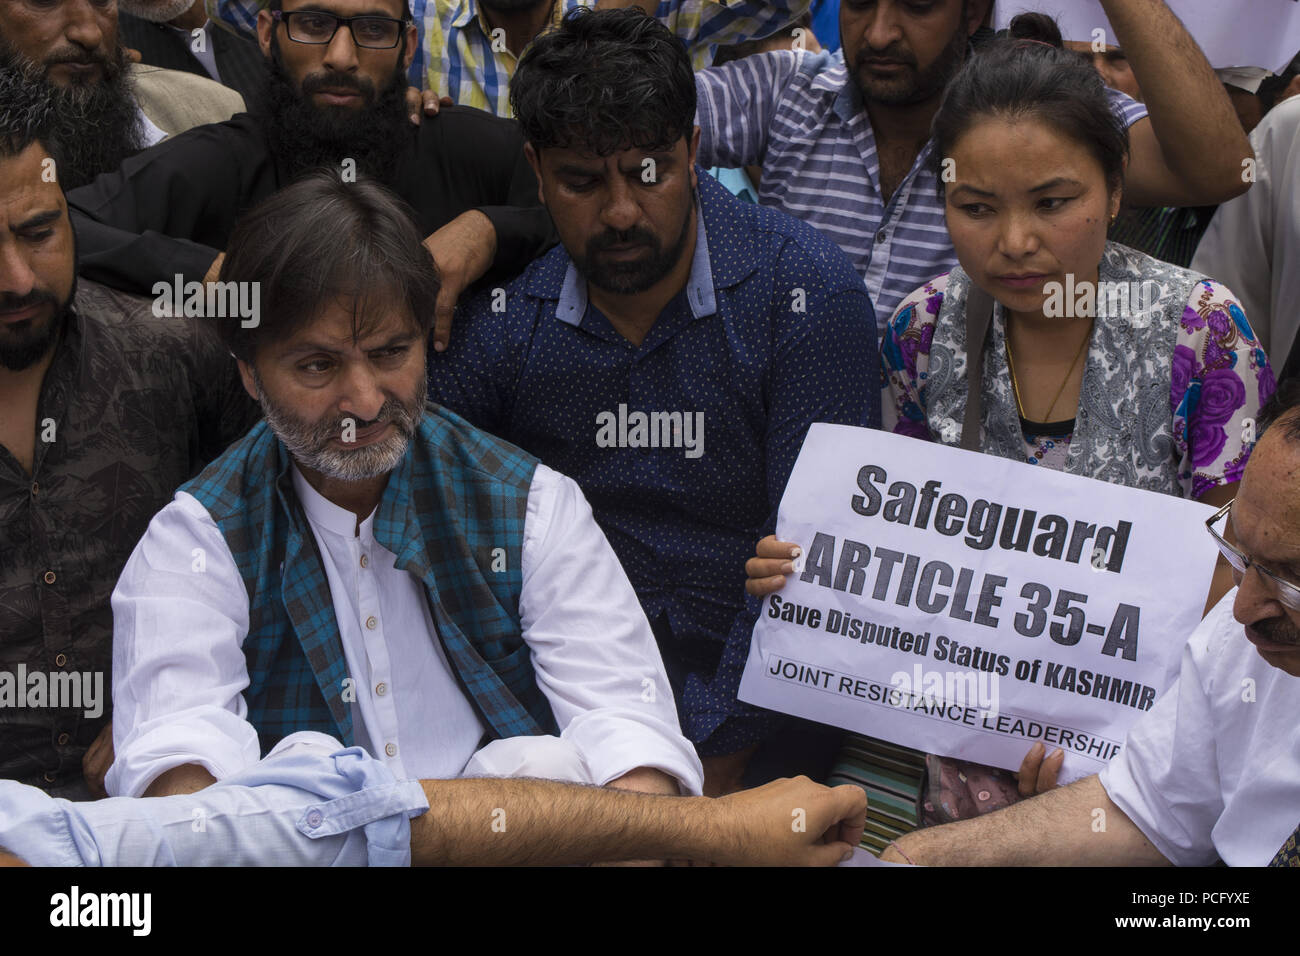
{"x": 634, "y": 236}
{"x": 315, "y": 82}
{"x": 1277, "y": 630}
{"x": 893, "y": 52}
{"x": 15, "y": 303}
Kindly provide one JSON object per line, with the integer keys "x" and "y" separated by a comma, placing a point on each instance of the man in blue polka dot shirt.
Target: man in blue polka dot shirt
{"x": 669, "y": 355}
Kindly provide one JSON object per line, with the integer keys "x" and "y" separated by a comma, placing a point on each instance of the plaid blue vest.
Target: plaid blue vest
{"x": 453, "y": 513}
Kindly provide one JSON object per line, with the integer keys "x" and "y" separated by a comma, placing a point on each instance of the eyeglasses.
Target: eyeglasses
{"x": 312, "y": 26}
{"x": 1287, "y": 593}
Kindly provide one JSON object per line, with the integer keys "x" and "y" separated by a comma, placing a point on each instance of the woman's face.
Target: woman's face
{"x": 1026, "y": 206}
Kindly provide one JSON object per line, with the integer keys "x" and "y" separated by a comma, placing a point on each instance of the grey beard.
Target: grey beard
{"x": 155, "y": 11}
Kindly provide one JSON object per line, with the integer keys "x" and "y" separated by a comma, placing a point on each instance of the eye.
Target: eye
{"x": 580, "y": 185}
{"x": 976, "y": 209}
{"x": 1053, "y": 203}
{"x": 39, "y": 235}
{"x": 315, "y": 366}
{"x": 388, "y": 355}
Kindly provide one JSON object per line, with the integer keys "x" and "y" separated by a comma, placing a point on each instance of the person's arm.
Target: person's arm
{"x": 521, "y": 822}
{"x": 475, "y": 376}
{"x": 826, "y": 370}
{"x": 1190, "y": 150}
{"x": 705, "y": 25}
{"x": 1237, "y": 248}
{"x": 1076, "y": 825}
{"x": 180, "y": 611}
{"x": 735, "y": 105}
{"x": 593, "y": 653}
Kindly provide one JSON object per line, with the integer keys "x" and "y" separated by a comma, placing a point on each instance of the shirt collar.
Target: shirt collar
{"x": 572, "y": 305}
{"x": 325, "y": 513}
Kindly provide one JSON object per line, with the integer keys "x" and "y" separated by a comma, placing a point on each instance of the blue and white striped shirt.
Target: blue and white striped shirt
{"x": 798, "y": 115}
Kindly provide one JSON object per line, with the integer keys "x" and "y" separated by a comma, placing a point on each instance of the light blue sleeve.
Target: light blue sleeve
{"x": 310, "y": 802}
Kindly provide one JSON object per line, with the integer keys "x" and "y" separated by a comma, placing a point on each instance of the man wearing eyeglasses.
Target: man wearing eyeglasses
{"x": 1212, "y": 771}
{"x": 335, "y": 98}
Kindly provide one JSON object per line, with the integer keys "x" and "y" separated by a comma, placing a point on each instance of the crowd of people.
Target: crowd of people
{"x": 396, "y": 399}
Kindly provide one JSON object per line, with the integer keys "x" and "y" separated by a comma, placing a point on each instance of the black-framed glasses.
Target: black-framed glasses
{"x": 315, "y": 26}
{"x": 1287, "y": 593}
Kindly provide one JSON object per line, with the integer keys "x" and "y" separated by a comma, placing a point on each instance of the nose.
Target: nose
{"x": 620, "y": 210}
{"x": 362, "y": 397}
{"x": 883, "y": 29}
{"x": 16, "y": 275}
{"x": 86, "y": 23}
{"x": 1018, "y": 235}
{"x": 1255, "y": 600}
{"x": 341, "y": 52}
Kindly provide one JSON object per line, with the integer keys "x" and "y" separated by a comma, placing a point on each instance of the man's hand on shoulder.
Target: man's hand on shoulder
{"x": 462, "y": 250}
{"x": 422, "y": 103}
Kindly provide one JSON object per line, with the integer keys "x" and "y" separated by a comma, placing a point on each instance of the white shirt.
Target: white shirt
{"x": 1213, "y": 769}
{"x": 1253, "y": 242}
{"x": 180, "y": 615}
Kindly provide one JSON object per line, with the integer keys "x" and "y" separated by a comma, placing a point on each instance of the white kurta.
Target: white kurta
{"x": 1253, "y": 242}
{"x": 1213, "y": 769}
{"x": 180, "y": 615}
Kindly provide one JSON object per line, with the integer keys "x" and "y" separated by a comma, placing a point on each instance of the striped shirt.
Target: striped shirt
{"x": 798, "y": 115}
{"x": 458, "y": 56}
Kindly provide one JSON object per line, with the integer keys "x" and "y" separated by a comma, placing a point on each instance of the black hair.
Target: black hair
{"x": 321, "y": 239}
{"x": 1280, "y": 409}
{"x": 1028, "y": 72}
{"x": 27, "y": 113}
{"x": 604, "y": 81}
{"x": 406, "y": 6}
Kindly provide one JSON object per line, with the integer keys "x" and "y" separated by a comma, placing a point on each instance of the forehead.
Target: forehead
{"x": 24, "y": 188}
{"x": 1022, "y": 151}
{"x": 347, "y": 324}
{"x": 1266, "y": 513}
{"x": 349, "y": 8}
{"x": 553, "y": 157}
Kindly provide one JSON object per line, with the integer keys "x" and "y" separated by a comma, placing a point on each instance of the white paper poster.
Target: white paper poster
{"x": 970, "y": 606}
{"x": 1264, "y": 33}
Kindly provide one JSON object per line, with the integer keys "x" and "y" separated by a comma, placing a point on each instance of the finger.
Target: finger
{"x": 413, "y": 105}
{"x": 762, "y": 587}
{"x": 828, "y": 854}
{"x": 447, "y": 101}
{"x": 1027, "y": 778}
{"x": 1048, "y": 772}
{"x": 133, "y": 56}
{"x": 433, "y": 103}
{"x": 442, "y": 317}
{"x": 767, "y": 567}
{"x": 770, "y": 547}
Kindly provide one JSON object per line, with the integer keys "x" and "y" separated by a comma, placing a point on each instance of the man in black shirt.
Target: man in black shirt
{"x": 336, "y": 98}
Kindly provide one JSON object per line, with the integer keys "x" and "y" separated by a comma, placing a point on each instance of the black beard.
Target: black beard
{"x": 635, "y": 277}
{"x": 304, "y": 137}
{"x": 36, "y": 343}
{"x": 97, "y": 125}
{"x": 925, "y": 85}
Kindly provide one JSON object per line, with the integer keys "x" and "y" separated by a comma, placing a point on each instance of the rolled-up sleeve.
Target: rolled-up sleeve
{"x": 311, "y": 802}
{"x": 593, "y": 652}
{"x": 180, "y": 614}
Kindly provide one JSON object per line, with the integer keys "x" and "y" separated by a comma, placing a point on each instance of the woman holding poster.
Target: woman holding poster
{"x": 1098, "y": 360}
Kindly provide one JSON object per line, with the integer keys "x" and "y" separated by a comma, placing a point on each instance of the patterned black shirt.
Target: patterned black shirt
{"x": 131, "y": 407}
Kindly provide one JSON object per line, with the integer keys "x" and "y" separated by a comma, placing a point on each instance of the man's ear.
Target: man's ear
{"x": 265, "y": 31}
{"x": 535, "y": 161}
{"x": 692, "y": 150}
{"x": 412, "y": 41}
{"x": 246, "y": 374}
{"x": 976, "y": 11}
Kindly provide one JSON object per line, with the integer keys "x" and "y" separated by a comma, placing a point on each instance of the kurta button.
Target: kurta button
{"x": 60, "y": 660}
{"x": 50, "y": 577}
{"x": 391, "y": 750}
{"x": 381, "y": 688}
{"x": 36, "y": 487}
{"x": 881, "y": 236}
{"x": 63, "y": 740}
{"x": 371, "y": 623}
{"x": 983, "y": 795}
{"x": 315, "y": 818}
{"x": 365, "y": 561}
